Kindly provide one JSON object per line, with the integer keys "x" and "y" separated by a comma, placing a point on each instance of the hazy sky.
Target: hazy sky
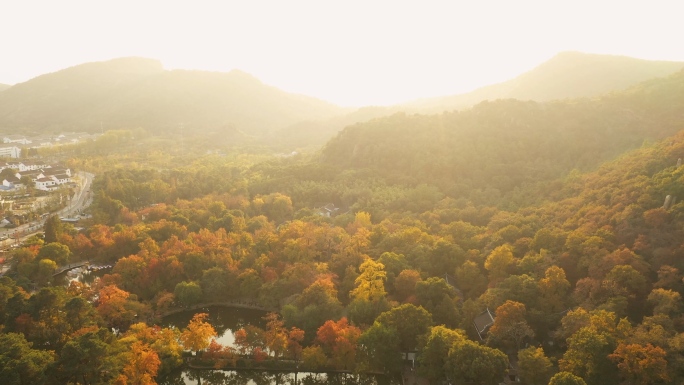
{"x": 347, "y": 52}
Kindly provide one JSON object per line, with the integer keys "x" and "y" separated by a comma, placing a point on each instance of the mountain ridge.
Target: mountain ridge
{"x": 501, "y": 146}
{"x": 568, "y": 74}
{"x": 138, "y": 92}
{"x": 601, "y": 74}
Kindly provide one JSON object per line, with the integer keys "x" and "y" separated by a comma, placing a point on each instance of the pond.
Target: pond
{"x": 249, "y": 377}
{"x": 227, "y": 320}
{"x": 85, "y": 274}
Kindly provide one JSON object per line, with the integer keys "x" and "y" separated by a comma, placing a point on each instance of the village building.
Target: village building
{"x": 10, "y": 152}
{"x": 482, "y": 322}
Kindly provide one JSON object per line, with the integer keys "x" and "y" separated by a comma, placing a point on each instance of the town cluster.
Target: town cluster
{"x": 39, "y": 174}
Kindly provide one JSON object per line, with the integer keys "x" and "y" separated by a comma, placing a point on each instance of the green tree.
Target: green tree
{"x": 214, "y": 283}
{"x": 317, "y": 304}
{"x": 83, "y": 359}
{"x": 566, "y": 378}
{"x": 53, "y": 229}
{"x": 554, "y": 290}
{"x": 473, "y": 363}
{"x": 534, "y": 368}
{"x": 431, "y": 291}
{"x": 46, "y": 268}
{"x": 470, "y": 279}
{"x": 498, "y": 262}
{"x": 20, "y": 364}
{"x": 363, "y": 312}
{"x": 55, "y": 251}
{"x": 410, "y": 321}
{"x": 394, "y": 265}
{"x": 380, "y": 346}
{"x": 437, "y": 297}
{"x": 188, "y": 293}
{"x": 587, "y": 356}
{"x": 434, "y": 352}
{"x": 313, "y": 358}
{"x": 665, "y": 302}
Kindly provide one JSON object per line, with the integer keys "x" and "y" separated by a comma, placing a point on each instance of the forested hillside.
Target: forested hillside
{"x": 498, "y": 147}
{"x": 137, "y": 92}
{"x": 567, "y": 75}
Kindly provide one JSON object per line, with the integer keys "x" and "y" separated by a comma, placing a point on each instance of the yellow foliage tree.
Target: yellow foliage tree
{"x": 142, "y": 363}
{"x": 370, "y": 284}
{"x": 198, "y": 334}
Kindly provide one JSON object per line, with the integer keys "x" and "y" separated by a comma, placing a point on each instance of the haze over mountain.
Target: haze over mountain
{"x": 566, "y": 75}
{"x": 138, "y": 92}
{"x": 500, "y": 146}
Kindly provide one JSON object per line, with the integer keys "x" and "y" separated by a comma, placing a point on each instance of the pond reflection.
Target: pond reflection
{"x": 251, "y": 377}
{"x": 226, "y": 321}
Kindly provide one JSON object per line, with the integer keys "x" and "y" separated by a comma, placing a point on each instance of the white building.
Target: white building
{"x": 10, "y": 152}
{"x": 16, "y": 139}
{"x": 52, "y": 182}
{"x": 49, "y": 171}
{"x": 31, "y": 166}
{"x": 46, "y": 184}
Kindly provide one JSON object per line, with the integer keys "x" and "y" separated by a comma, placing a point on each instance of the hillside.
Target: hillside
{"x": 4, "y": 87}
{"x": 566, "y": 75}
{"x": 137, "y": 92}
{"x": 497, "y": 148}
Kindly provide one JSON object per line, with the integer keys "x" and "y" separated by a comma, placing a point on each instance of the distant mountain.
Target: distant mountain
{"x": 566, "y": 75}
{"x": 500, "y": 147}
{"x": 4, "y": 87}
{"x": 317, "y": 132}
{"x": 138, "y": 92}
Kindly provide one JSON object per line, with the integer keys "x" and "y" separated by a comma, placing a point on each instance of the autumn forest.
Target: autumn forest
{"x": 538, "y": 242}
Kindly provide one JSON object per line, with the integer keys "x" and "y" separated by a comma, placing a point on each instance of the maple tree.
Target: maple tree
{"x": 249, "y": 338}
{"x": 141, "y": 365}
{"x": 115, "y": 307}
{"x": 510, "y": 325}
{"x": 338, "y": 340}
{"x": 405, "y": 284}
{"x": 641, "y": 364}
{"x": 275, "y": 335}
